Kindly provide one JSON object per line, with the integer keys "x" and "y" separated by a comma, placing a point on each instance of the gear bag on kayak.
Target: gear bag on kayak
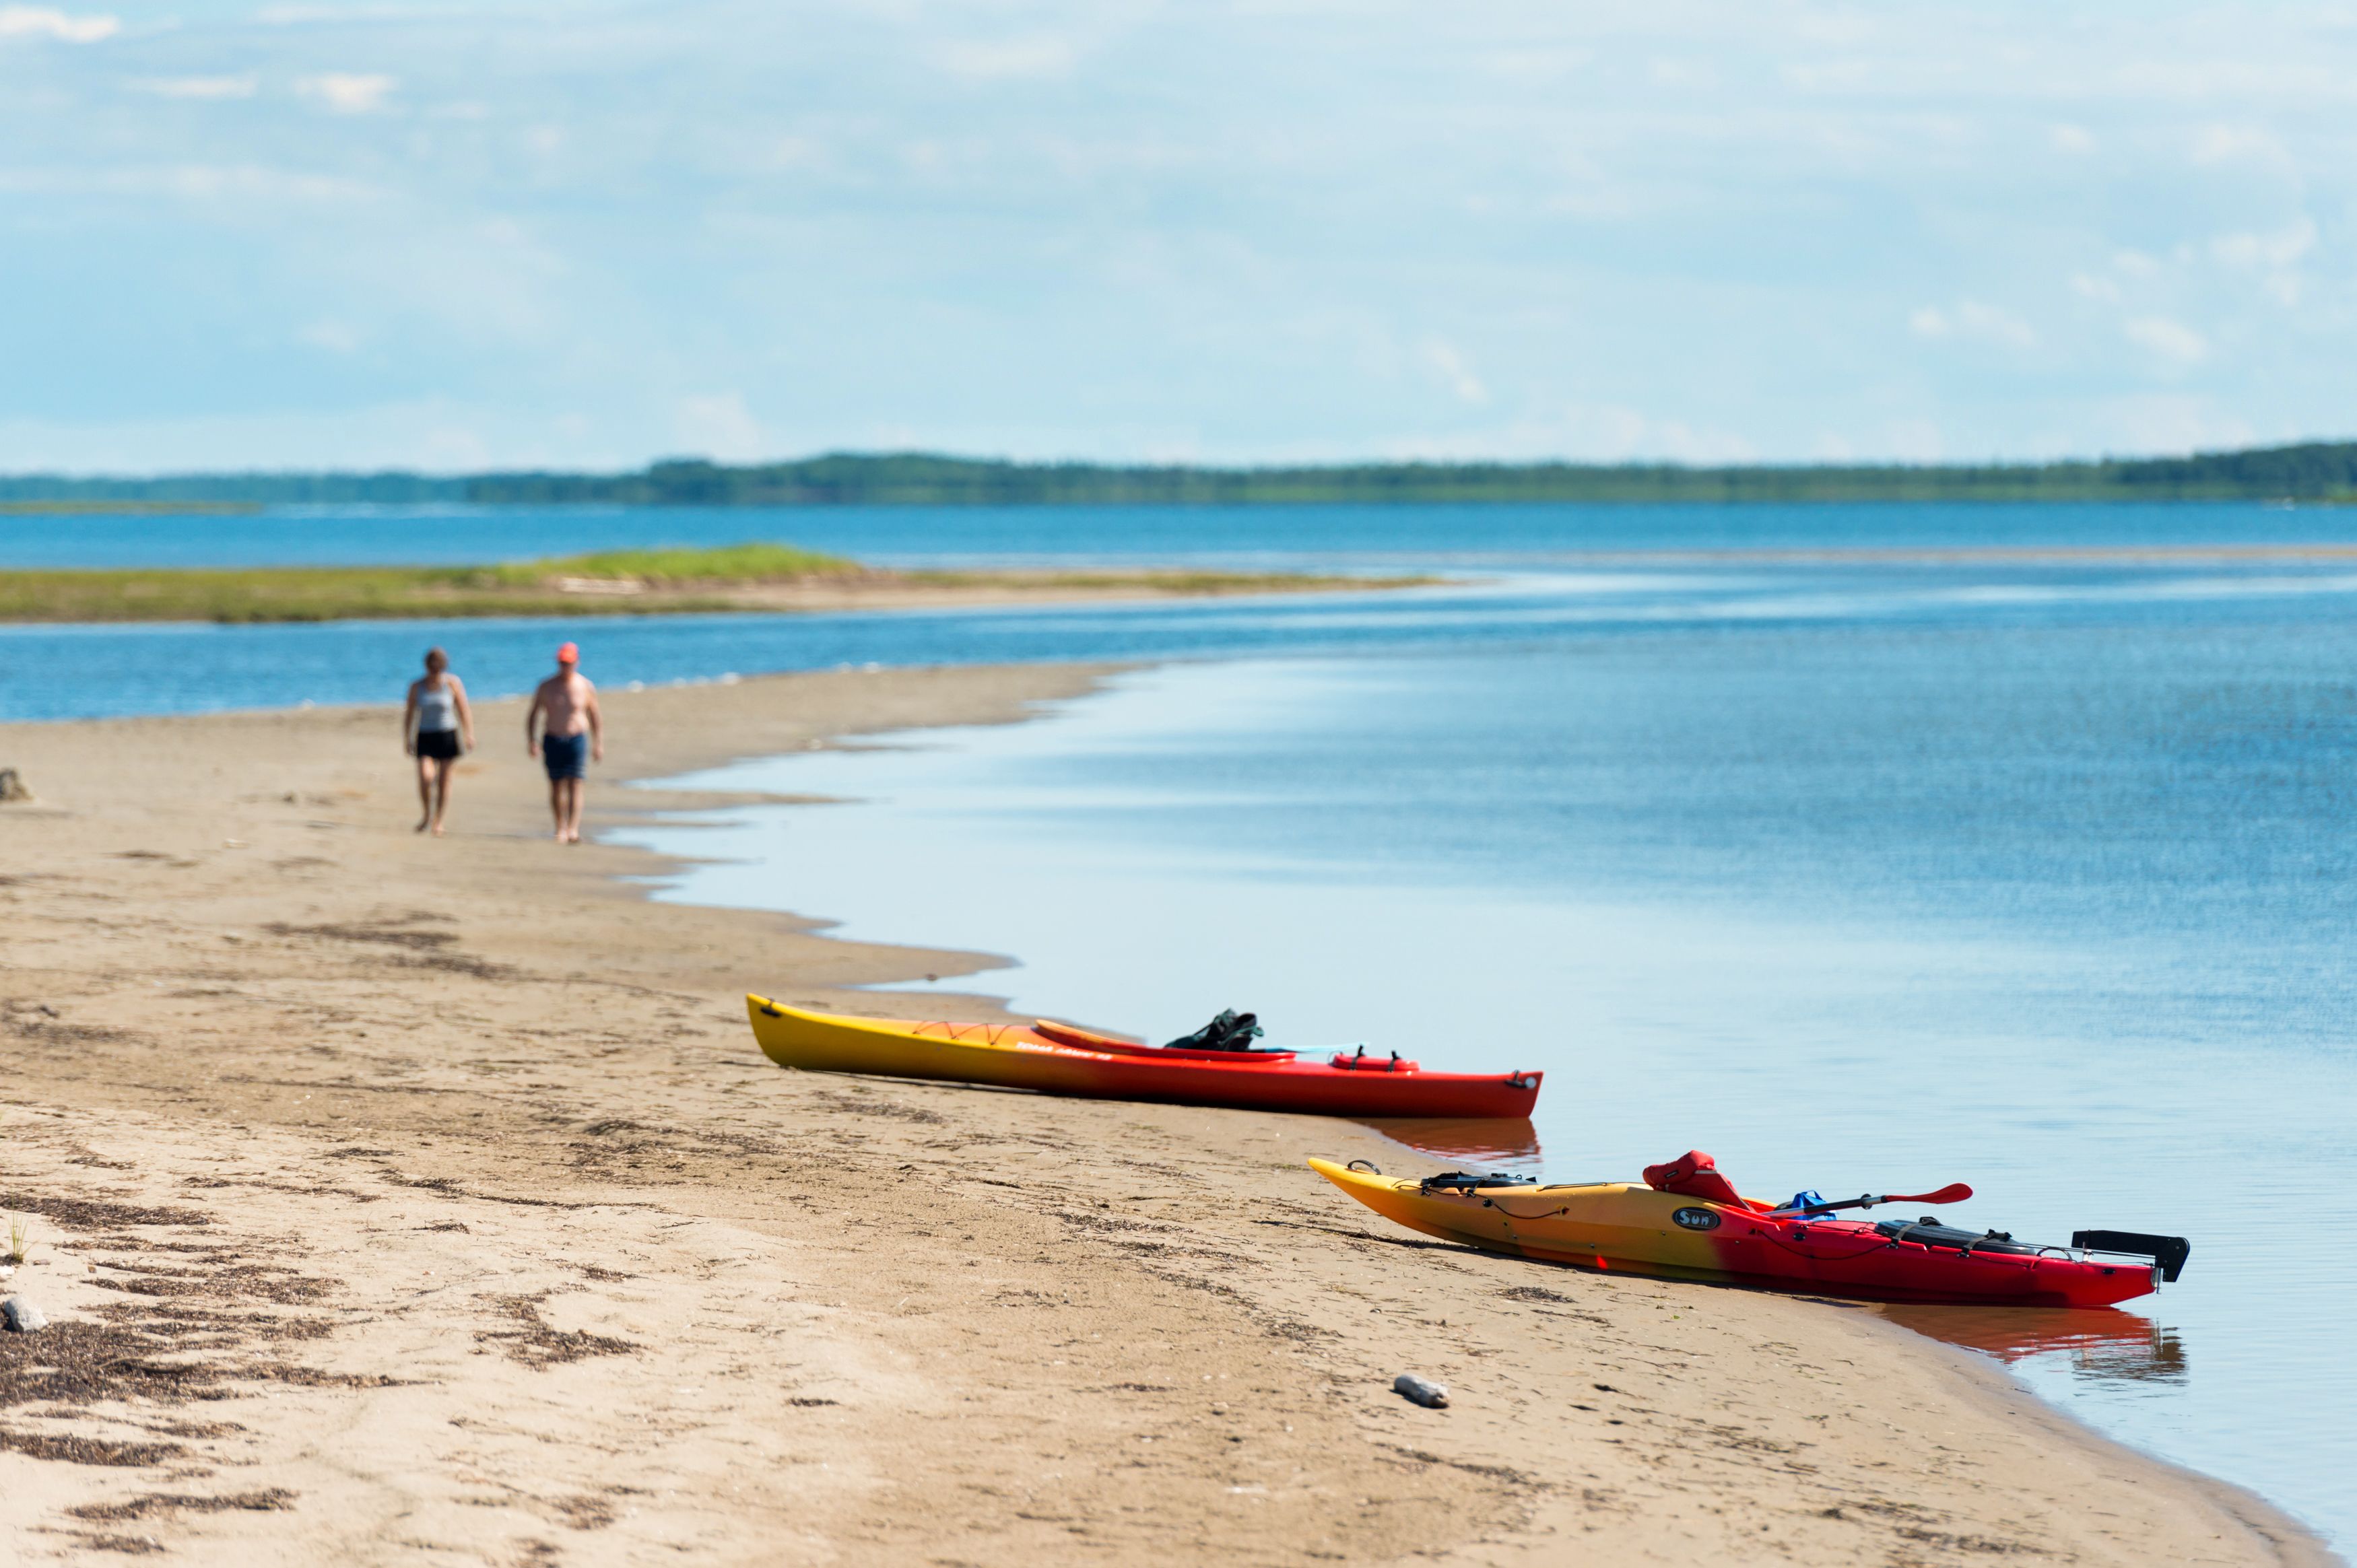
{"x": 1231, "y": 1031}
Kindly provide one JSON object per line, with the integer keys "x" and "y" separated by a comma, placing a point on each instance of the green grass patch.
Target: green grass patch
{"x": 669, "y": 580}
{"x": 614, "y": 582}
{"x": 727, "y": 563}
{"x": 20, "y": 1240}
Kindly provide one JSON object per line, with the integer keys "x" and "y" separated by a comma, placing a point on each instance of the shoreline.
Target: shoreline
{"x": 508, "y": 1161}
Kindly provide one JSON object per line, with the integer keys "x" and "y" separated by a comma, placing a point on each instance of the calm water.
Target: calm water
{"x": 1859, "y": 876}
{"x": 1244, "y": 535}
{"x": 58, "y": 672}
{"x": 1860, "y": 882}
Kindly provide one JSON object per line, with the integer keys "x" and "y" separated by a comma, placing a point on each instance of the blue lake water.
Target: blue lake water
{"x": 1241, "y": 535}
{"x": 1859, "y": 874}
{"x": 1861, "y": 884}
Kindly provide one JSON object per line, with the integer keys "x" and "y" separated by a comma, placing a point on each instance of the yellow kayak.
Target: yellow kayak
{"x": 1622, "y": 1226}
{"x": 1054, "y": 1059}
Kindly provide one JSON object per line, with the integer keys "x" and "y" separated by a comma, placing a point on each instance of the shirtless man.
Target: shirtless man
{"x": 571, "y": 735}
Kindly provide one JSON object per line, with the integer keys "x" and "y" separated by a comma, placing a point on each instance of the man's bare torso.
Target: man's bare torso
{"x": 563, "y": 703}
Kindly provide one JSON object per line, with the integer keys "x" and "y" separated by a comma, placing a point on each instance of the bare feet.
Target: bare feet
{"x": 422, "y": 825}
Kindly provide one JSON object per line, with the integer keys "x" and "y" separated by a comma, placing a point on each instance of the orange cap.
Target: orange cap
{"x": 568, "y": 653}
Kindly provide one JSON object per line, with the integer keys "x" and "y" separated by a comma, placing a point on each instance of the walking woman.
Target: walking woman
{"x": 436, "y": 727}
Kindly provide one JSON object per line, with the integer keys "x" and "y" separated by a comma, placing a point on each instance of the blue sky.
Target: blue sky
{"x": 461, "y": 235}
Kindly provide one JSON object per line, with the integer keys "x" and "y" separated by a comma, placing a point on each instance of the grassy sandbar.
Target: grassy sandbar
{"x": 741, "y": 578}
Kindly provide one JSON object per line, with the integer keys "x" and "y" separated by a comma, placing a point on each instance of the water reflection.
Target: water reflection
{"x": 1492, "y": 1142}
{"x": 2103, "y": 1346}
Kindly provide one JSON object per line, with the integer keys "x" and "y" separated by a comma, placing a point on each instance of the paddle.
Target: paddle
{"x": 1954, "y": 1192}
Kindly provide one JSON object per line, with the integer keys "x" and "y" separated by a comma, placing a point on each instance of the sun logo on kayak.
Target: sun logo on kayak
{"x": 1697, "y": 1219}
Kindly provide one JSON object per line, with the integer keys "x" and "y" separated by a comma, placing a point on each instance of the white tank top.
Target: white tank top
{"x": 437, "y": 709}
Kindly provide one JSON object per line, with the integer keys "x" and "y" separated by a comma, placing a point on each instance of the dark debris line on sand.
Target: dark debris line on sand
{"x": 189, "y": 1333}
{"x": 538, "y": 1343}
{"x": 152, "y": 1503}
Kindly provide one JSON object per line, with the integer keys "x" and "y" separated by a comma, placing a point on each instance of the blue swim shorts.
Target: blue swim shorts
{"x": 565, "y": 756}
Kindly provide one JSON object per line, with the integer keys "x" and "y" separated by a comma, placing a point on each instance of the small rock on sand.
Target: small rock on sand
{"x": 13, "y": 786}
{"x": 1422, "y": 1390}
{"x": 21, "y": 1315}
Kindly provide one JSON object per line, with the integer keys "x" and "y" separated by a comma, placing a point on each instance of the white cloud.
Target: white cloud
{"x": 2071, "y": 139}
{"x": 334, "y": 337}
{"x": 1911, "y": 440}
{"x": 199, "y": 87}
{"x": 1035, "y": 58}
{"x": 1972, "y": 321}
{"x": 453, "y": 449}
{"x": 1537, "y": 62}
{"x": 2214, "y": 144}
{"x": 2171, "y": 341}
{"x": 1578, "y": 432}
{"x": 193, "y": 182}
{"x": 2276, "y": 248}
{"x": 2135, "y": 263}
{"x": 2174, "y": 422}
{"x": 2273, "y": 255}
{"x": 1455, "y": 373}
{"x": 794, "y": 152}
{"x": 43, "y": 22}
{"x": 1686, "y": 73}
{"x": 1828, "y": 76}
{"x": 2088, "y": 285}
{"x": 437, "y": 434}
{"x": 721, "y": 427}
{"x": 347, "y": 93}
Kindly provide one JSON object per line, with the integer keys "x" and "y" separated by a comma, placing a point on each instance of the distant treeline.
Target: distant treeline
{"x": 235, "y": 489}
{"x": 2320, "y": 471}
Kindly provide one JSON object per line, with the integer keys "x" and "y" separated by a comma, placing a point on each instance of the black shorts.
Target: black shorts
{"x": 442, "y": 745}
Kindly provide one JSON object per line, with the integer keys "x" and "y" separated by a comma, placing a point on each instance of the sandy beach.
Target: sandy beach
{"x": 410, "y": 1200}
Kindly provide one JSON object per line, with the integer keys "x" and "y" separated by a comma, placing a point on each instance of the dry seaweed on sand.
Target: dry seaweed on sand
{"x": 147, "y": 1504}
{"x": 536, "y": 1342}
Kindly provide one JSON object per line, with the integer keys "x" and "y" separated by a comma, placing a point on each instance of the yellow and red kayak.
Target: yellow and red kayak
{"x": 1056, "y": 1058}
{"x": 1622, "y": 1227}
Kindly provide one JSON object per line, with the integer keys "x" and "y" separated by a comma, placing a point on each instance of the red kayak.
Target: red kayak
{"x": 1056, "y": 1058}
{"x": 1688, "y": 1222}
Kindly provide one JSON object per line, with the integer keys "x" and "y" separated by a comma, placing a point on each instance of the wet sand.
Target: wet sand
{"x": 412, "y": 1200}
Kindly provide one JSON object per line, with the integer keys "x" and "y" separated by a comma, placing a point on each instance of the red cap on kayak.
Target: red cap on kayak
{"x": 568, "y": 653}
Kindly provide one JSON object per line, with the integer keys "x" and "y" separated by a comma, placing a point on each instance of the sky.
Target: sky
{"x": 487, "y": 234}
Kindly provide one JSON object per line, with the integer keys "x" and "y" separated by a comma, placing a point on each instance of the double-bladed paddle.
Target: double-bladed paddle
{"x": 1954, "y": 1192}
